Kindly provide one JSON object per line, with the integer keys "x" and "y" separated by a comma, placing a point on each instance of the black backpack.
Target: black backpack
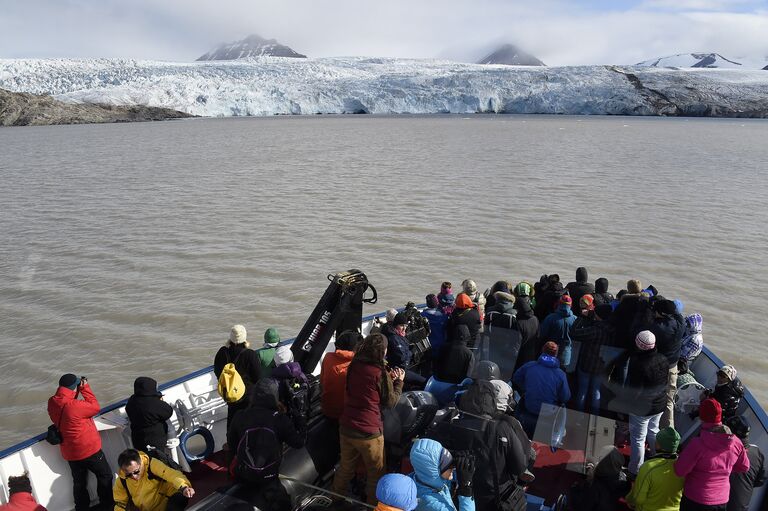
{"x": 259, "y": 454}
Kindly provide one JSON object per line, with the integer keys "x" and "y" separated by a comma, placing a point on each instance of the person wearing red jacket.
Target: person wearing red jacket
{"x": 81, "y": 443}
{"x": 20, "y": 495}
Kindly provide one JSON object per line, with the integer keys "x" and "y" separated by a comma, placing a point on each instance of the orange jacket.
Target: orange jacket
{"x": 333, "y": 381}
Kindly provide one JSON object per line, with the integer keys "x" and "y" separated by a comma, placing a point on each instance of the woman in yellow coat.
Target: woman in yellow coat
{"x": 148, "y": 484}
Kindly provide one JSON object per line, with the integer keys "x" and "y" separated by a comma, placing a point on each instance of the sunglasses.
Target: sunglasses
{"x": 134, "y": 473}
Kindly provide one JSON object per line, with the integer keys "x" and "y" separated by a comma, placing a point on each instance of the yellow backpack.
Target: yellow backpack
{"x": 231, "y": 384}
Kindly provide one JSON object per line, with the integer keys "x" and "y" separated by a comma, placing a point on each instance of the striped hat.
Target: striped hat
{"x": 587, "y": 302}
{"x": 645, "y": 340}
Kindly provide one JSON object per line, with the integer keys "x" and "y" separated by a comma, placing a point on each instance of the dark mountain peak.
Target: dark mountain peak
{"x": 510, "y": 55}
{"x": 252, "y": 46}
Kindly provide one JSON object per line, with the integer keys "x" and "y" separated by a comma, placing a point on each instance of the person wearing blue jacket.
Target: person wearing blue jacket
{"x": 540, "y": 382}
{"x": 433, "y": 467}
{"x": 438, "y": 321}
{"x": 557, "y": 327}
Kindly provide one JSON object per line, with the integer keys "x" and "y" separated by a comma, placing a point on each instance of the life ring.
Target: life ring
{"x": 209, "y": 444}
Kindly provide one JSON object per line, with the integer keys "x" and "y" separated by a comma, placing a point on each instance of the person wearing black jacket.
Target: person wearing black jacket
{"x": 455, "y": 361}
{"x": 148, "y": 414}
{"x": 644, "y": 397}
{"x": 744, "y": 483}
{"x": 602, "y": 295}
{"x": 238, "y": 351}
{"x": 265, "y": 411}
{"x": 579, "y": 288}
{"x": 668, "y": 326}
{"x": 548, "y": 294}
{"x": 527, "y": 323}
{"x": 499, "y": 454}
{"x": 593, "y": 333}
{"x": 464, "y": 313}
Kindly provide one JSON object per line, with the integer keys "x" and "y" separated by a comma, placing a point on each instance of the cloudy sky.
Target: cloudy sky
{"x": 560, "y": 32}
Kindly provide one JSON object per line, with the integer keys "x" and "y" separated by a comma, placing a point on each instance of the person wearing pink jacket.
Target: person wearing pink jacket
{"x": 707, "y": 461}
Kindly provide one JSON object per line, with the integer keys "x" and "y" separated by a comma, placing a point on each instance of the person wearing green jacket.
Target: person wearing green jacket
{"x": 657, "y": 487}
{"x": 267, "y": 353}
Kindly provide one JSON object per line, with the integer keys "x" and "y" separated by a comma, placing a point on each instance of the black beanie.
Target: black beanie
{"x": 70, "y": 381}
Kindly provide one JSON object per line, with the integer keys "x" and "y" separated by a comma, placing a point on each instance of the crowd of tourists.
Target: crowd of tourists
{"x": 501, "y": 361}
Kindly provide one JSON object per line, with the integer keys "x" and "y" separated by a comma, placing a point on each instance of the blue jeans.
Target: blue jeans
{"x": 589, "y": 385}
{"x": 640, "y": 429}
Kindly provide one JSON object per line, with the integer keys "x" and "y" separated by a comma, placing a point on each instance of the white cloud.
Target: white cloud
{"x": 559, "y": 32}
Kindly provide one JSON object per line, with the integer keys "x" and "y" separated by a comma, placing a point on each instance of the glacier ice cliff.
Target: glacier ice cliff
{"x": 269, "y": 86}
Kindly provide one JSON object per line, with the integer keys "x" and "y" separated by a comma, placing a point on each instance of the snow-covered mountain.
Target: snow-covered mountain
{"x": 711, "y": 60}
{"x": 510, "y": 55}
{"x": 267, "y": 86}
{"x": 251, "y": 46}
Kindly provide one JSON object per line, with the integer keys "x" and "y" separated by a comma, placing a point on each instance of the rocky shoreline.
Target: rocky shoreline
{"x": 22, "y": 109}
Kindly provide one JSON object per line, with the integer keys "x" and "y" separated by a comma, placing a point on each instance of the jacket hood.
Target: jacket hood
{"x": 479, "y": 399}
{"x": 523, "y": 307}
{"x": 716, "y": 437}
{"x": 549, "y": 361}
{"x": 463, "y": 335}
{"x": 264, "y": 394}
{"x": 397, "y": 491}
{"x": 581, "y": 275}
{"x": 504, "y": 399}
{"x": 63, "y": 394}
{"x": 601, "y": 285}
{"x": 425, "y": 458}
{"x": 564, "y": 310}
{"x": 145, "y": 387}
{"x": 610, "y": 467}
{"x": 694, "y": 324}
{"x": 502, "y": 296}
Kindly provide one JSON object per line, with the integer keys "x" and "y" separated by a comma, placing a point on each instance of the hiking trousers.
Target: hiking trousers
{"x": 371, "y": 451}
{"x": 668, "y": 416}
{"x": 98, "y": 465}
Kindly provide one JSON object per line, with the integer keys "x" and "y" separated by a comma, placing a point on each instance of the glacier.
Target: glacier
{"x": 271, "y": 85}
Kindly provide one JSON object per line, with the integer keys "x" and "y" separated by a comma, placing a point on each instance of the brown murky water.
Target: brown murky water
{"x": 131, "y": 249}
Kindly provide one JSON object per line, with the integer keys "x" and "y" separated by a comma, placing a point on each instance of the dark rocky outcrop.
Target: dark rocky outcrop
{"x": 510, "y": 55}
{"x": 21, "y": 109}
{"x": 251, "y": 46}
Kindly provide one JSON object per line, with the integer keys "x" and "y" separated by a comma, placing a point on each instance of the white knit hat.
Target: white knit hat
{"x": 645, "y": 340}
{"x": 729, "y": 371}
{"x": 238, "y": 335}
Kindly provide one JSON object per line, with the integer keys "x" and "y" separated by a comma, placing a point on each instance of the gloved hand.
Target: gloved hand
{"x": 465, "y": 471}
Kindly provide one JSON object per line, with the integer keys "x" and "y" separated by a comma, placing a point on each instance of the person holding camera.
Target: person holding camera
{"x": 399, "y": 350}
{"x": 80, "y": 441}
{"x": 434, "y": 468}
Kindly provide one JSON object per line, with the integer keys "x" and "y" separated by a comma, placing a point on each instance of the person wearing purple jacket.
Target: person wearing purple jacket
{"x": 707, "y": 462}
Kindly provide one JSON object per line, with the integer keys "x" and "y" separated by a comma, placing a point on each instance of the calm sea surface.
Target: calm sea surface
{"x": 130, "y": 249}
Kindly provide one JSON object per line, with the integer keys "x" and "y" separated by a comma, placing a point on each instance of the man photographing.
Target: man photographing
{"x": 80, "y": 441}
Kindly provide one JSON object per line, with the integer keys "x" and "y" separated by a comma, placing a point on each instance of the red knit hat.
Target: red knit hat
{"x": 566, "y": 300}
{"x": 550, "y": 348}
{"x": 710, "y": 411}
{"x": 463, "y": 301}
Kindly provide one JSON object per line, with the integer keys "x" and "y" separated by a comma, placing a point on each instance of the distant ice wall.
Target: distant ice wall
{"x": 269, "y": 86}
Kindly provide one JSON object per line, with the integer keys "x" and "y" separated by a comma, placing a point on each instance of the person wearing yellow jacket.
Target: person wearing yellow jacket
{"x": 657, "y": 487}
{"x": 148, "y": 484}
